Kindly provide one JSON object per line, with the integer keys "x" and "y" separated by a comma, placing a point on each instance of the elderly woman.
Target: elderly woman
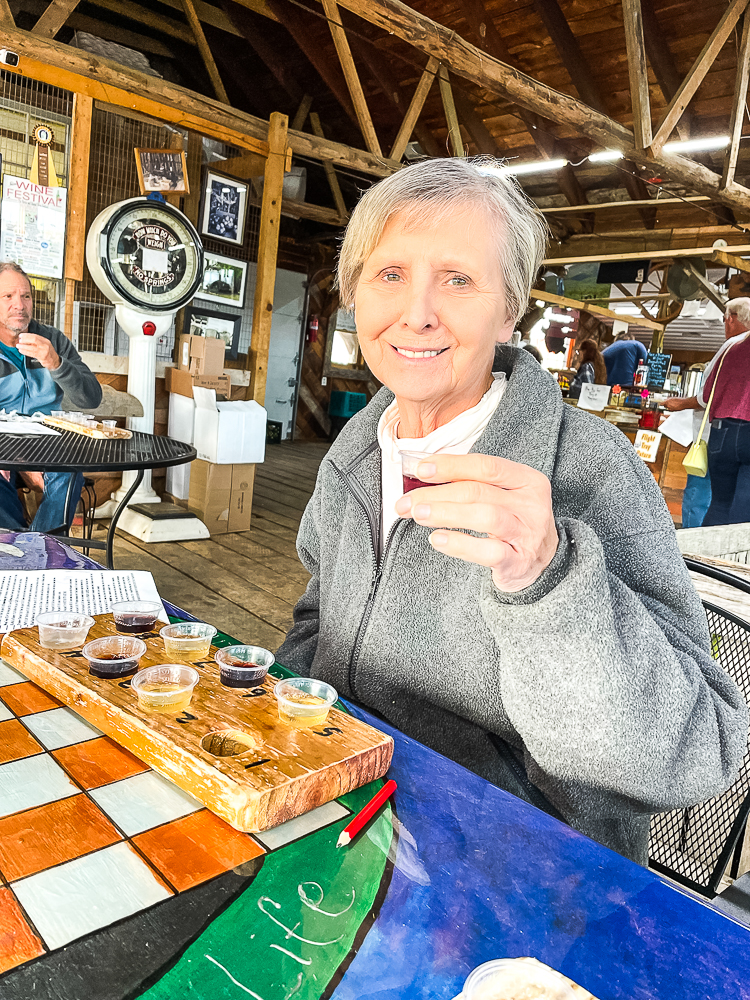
{"x": 528, "y": 615}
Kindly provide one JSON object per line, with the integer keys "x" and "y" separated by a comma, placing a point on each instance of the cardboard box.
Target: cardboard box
{"x": 222, "y": 495}
{"x": 201, "y": 355}
{"x": 228, "y": 433}
{"x": 182, "y": 382}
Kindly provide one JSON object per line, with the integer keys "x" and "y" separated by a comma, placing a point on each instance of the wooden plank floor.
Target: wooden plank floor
{"x": 245, "y": 583}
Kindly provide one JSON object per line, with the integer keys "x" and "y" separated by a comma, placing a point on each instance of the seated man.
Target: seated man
{"x": 37, "y": 365}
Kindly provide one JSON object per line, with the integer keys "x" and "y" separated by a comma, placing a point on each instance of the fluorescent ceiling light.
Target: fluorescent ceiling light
{"x": 605, "y": 155}
{"x": 534, "y": 167}
{"x": 696, "y": 145}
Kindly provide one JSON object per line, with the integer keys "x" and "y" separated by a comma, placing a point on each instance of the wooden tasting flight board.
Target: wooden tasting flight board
{"x": 283, "y": 773}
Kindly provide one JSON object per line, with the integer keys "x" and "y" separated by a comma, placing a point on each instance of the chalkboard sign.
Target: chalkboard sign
{"x": 658, "y": 369}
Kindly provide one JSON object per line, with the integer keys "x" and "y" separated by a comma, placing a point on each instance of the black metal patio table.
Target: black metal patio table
{"x": 72, "y": 452}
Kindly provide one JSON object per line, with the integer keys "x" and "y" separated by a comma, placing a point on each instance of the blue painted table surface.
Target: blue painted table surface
{"x": 479, "y": 874}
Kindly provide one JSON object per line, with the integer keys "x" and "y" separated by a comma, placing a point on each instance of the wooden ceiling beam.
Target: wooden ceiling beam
{"x": 739, "y": 104}
{"x": 205, "y": 11}
{"x": 648, "y": 202}
{"x": 381, "y": 72}
{"x": 415, "y": 108}
{"x": 351, "y": 76}
{"x": 563, "y": 300}
{"x": 491, "y": 41}
{"x": 110, "y": 32}
{"x": 637, "y": 72}
{"x": 135, "y": 12}
{"x": 6, "y": 15}
{"x": 203, "y": 47}
{"x": 570, "y": 53}
{"x": 662, "y": 62}
{"x": 262, "y": 44}
{"x": 257, "y": 6}
{"x": 697, "y": 73}
{"x": 54, "y": 17}
{"x": 472, "y": 64}
{"x": 85, "y": 73}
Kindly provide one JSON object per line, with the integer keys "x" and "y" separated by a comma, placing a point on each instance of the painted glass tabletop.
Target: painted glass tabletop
{"x": 118, "y": 885}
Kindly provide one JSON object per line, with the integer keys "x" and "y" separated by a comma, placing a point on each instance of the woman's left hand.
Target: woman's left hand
{"x": 509, "y": 503}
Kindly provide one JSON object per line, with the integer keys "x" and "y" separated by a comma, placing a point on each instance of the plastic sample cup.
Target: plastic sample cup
{"x": 61, "y": 631}
{"x": 511, "y": 978}
{"x": 167, "y": 688}
{"x": 114, "y": 655}
{"x": 187, "y": 640}
{"x": 409, "y": 462}
{"x": 243, "y": 666}
{"x": 304, "y": 701}
{"x": 135, "y": 617}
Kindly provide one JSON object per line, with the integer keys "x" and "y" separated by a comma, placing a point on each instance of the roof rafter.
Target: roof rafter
{"x": 54, "y": 17}
{"x": 469, "y": 62}
{"x": 738, "y": 105}
{"x": 637, "y": 72}
{"x": 697, "y": 73}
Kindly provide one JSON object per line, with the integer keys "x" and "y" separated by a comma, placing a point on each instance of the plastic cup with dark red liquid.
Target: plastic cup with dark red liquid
{"x": 409, "y": 463}
{"x": 243, "y": 666}
{"x": 135, "y": 617}
{"x": 114, "y": 655}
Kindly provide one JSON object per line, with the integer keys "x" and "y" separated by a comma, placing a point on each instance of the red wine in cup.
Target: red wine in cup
{"x": 134, "y": 622}
{"x": 125, "y": 665}
{"x": 410, "y": 483}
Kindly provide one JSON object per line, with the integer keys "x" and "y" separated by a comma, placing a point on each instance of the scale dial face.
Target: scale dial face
{"x": 152, "y": 255}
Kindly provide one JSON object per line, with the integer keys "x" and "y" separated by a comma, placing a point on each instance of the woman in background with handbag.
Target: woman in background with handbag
{"x": 728, "y": 391}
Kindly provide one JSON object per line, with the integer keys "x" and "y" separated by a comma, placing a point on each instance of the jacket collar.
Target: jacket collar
{"x": 525, "y": 427}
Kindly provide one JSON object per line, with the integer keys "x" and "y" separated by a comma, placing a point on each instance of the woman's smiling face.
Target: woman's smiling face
{"x": 430, "y": 306}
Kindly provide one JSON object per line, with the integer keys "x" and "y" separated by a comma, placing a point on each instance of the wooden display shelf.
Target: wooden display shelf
{"x": 276, "y": 773}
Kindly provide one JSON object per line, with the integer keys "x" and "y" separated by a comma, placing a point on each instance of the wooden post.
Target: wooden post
{"x": 6, "y": 15}
{"x": 205, "y": 51}
{"x": 78, "y": 183}
{"x": 54, "y": 17}
{"x": 451, "y": 118}
{"x": 738, "y": 106}
{"x": 350, "y": 74}
{"x": 415, "y": 108}
{"x": 270, "y": 216}
{"x": 638, "y": 72}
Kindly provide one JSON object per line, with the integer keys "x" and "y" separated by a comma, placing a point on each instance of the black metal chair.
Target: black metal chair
{"x": 694, "y": 846}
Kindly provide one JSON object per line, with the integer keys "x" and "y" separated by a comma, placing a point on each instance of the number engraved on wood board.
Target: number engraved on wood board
{"x": 203, "y": 663}
{"x": 124, "y": 684}
{"x": 186, "y": 717}
{"x": 255, "y": 693}
{"x": 74, "y": 656}
{"x": 328, "y": 731}
{"x": 257, "y": 763}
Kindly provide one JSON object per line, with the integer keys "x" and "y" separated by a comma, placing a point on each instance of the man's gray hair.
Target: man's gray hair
{"x": 428, "y": 192}
{"x": 10, "y": 265}
{"x": 741, "y": 309}
{"x": 625, "y": 335}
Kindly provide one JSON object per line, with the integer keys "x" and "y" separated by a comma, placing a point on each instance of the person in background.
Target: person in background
{"x": 696, "y": 498}
{"x": 622, "y": 358}
{"x": 37, "y": 365}
{"x": 533, "y": 351}
{"x": 729, "y": 442}
{"x": 591, "y": 367}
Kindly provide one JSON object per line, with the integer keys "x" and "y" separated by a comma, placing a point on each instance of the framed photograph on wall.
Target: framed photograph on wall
{"x": 163, "y": 170}
{"x": 224, "y": 280}
{"x": 224, "y": 208}
{"x": 203, "y": 323}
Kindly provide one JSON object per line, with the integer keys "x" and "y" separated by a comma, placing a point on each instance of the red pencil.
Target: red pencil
{"x": 366, "y": 814}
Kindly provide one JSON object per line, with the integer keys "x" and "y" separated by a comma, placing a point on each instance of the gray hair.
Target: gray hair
{"x": 741, "y": 309}
{"x": 10, "y": 265}
{"x": 625, "y": 335}
{"x": 429, "y": 191}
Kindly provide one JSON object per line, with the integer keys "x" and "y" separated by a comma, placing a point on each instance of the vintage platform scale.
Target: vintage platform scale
{"x": 146, "y": 257}
{"x": 228, "y": 749}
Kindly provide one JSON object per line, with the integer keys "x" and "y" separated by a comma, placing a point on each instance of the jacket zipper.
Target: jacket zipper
{"x": 374, "y": 521}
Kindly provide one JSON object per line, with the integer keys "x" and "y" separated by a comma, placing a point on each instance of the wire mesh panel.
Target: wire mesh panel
{"x": 24, "y": 104}
{"x": 693, "y": 845}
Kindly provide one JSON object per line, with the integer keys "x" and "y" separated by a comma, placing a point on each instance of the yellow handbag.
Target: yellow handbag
{"x": 695, "y": 462}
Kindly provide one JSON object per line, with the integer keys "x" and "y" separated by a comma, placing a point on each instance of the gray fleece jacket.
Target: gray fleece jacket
{"x": 599, "y": 674}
